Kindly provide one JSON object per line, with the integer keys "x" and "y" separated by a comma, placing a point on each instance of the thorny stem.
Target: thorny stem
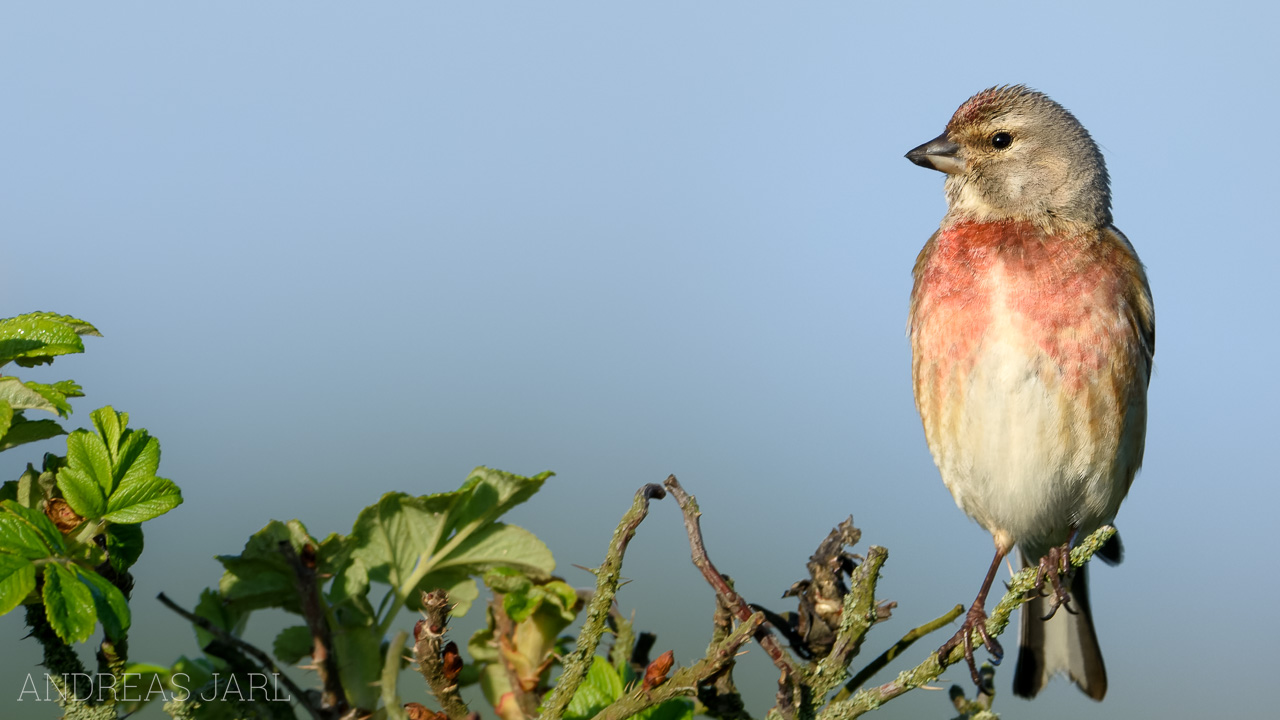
{"x": 427, "y": 649}
{"x": 322, "y": 657}
{"x": 607, "y": 576}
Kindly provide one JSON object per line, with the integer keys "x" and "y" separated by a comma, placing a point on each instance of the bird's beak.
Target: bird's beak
{"x": 938, "y": 154}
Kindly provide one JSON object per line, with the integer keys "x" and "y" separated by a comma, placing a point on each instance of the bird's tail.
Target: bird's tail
{"x": 1065, "y": 643}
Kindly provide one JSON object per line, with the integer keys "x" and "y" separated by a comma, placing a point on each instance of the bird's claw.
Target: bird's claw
{"x": 975, "y": 619}
{"x": 1055, "y": 567}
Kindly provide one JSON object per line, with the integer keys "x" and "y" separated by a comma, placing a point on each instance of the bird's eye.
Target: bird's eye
{"x": 1001, "y": 140}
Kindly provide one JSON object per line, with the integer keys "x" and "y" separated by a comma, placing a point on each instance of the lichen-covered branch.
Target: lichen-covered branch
{"x": 895, "y": 650}
{"x": 860, "y": 613}
{"x": 929, "y": 670}
{"x": 579, "y": 661}
{"x": 439, "y": 663}
{"x": 685, "y": 682}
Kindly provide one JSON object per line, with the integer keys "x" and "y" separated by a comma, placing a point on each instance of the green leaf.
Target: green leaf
{"x": 110, "y": 424}
{"x": 292, "y": 644}
{"x": 124, "y": 545}
{"x": 27, "y": 532}
{"x": 600, "y": 688}
{"x": 110, "y": 603}
{"x": 6, "y": 416}
{"x": 55, "y": 395}
{"x": 82, "y": 493}
{"x": 39, "y": 337}
{"x": 260, "y": 577}
{"x": 349, "y": 595}
{"x": 23, "y": 431}
{"x": 501, "y": 545}
{"x": 389, "y": 537}
{"x": 488, "y": 493}
{"x": 143, "y": 683}
{"x": 142, "y": 498}
{"x": 28, "y": 396}
{"x": 17, "y": 580}
{"x": 68, "y": 603}
{"x": 673, "y": 709}
{"x": 360, "y": 657}
{"x": 212, "y": 607}
{"x": 89, "y": 459}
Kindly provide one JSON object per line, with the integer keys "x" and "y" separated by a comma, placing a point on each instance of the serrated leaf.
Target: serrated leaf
{"x": 124, "y": 545}
{"x": 17, "y": 580}
{"x": 109, "y": 425}
{"x": 214, "y": 608}
{"x": 142, "y": 498}
{"x": 600, "y": 688}
{"x": 109, "y": 602}
{"x": 55, "y": 399}
{"x": 80, "y": 327}
{"x": 39, "y": 337}
{"x": 260, "y": 577}
{"x": 68, "y": 603}
{"x": 82, "y": 493}
{"x": 349, "y": 594}
{"x": 292, "y": 644}
{"x": 137, "y": 457}
{"x": 488, "y": 493}
{"x": 28, "y": 533}
{"x": 6, "y": 416}
{"x": 88, "y": 456}
{"x": 23, "y": 431}
{"x": 21, "y": 396}
{"x": 501, "y": 545}
{"x": 390, "y": 536}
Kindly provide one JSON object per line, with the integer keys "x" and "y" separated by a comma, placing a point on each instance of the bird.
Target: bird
{"x": 1032, "y": 331}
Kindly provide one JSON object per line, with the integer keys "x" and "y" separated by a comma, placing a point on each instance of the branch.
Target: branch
{"x": 734, "y": 601}
{"x": 579, "y": 661}
{"x": 685, "y": 681}
{"x": 929, "y": 670}
{"x": 439, "y": 664}
{"x": 860, "y": 613}
{"x": 263, "y": 659}
{"x": 322, "y": 659}
{"x": 895, "y": 650}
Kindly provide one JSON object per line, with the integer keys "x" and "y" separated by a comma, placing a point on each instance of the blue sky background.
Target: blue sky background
{"x": 337, "y": 250}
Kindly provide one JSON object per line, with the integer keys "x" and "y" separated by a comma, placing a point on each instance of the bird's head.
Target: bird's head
{"x": 1011, "y": 153}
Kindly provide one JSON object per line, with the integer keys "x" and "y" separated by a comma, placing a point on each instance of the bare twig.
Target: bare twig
{"x": 264, "y": 660}
{"x": 732, "y": 599}
{"x": 322, "y": 658}
{"x": 607, "y": 576}
{"x": 685, "y": 682}
{"x": 429, "y": 651}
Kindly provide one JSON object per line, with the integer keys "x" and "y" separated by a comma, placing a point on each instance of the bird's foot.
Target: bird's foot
{"x": 1055, "y": 567}
{"x": 976, "y": 619}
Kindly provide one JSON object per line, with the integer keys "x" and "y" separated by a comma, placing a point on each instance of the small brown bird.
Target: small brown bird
{"x": 1032, "y": 333}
